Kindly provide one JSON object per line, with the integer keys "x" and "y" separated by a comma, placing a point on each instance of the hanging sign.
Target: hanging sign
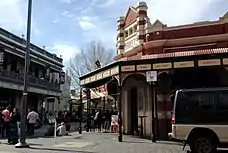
{"x": 151, "y": 76}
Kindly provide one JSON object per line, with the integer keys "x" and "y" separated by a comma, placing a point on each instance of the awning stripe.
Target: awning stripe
{"x": 186, "y": 53}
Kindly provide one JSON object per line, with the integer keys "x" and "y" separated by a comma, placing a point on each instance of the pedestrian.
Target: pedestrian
{"x": 14, "y": 127}
{"x": 6, "y": 121}
{"x": 32, "y": 118}
{"x": 108, "y": 118}
{"x": 98, "y": 120}
{"x": 61, "y": 130}
{"x": 66, "y": 120}
{"x": 1, "y": 118}
{"x": 15, "y": 118}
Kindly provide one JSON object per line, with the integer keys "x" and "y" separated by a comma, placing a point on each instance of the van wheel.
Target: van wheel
{"x": 203, "y": 144}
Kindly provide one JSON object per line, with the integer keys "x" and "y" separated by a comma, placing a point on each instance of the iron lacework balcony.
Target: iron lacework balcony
{"x": 34, "y": 82}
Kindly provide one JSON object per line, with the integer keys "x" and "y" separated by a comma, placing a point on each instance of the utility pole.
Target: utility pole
{"x": 80, "y": 112}
{"x": 22, "y": 143}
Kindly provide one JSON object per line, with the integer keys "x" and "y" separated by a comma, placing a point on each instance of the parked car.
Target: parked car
{"x": 200, "y": 118}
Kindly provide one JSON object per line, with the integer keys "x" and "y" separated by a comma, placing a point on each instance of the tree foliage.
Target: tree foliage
{"x": 84, "y": 61}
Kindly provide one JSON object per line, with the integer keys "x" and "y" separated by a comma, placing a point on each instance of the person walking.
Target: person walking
{"x": 6, "y": 121}
{"x": 32, "y": 118}
{"x": 98, "y": 120}
{"x": 108, "y": 119}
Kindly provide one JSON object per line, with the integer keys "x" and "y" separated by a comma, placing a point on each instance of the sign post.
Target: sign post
{"x": 55, "y": 131}
{"x": 151, "y": 77}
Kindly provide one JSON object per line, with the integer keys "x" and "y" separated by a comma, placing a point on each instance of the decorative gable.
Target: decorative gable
{"x": 130, "y": 16}
{"x": 224, "y": 17}
{"x": 158, "y": 26}
{"x": 158, "y": 23}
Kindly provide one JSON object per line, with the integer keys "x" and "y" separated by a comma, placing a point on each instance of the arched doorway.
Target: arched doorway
{"x": 136, "y": 103}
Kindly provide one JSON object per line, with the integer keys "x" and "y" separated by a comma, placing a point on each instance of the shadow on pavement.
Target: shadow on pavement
{"x": 170, "y": 143}
{"x": 137, "y": 142}
{"x": 64, "y": 150}
{"x": 218, "y": 151}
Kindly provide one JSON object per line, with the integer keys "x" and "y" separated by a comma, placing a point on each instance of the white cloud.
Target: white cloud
{"x": 103, "y": 3}
{"x": 12, "y": 16}
{"x": 67, "y": 1}
{"x": 177, "y": 12}
{"x": 65, "y": 49}
{"x": 68, "y": 14}
{"x": 64, "y": 13}
{"x": 87, "y": 23}
{"x": 55, "y": 21}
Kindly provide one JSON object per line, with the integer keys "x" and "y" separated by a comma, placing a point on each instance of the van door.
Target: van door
{"x": 194, "y": 109}
{"x": 222, "y": 116}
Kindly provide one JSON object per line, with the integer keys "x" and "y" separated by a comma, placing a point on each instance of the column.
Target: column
{"x": 18, "y": 101}
{"x": 120, "y": 35}
{"x": 164, "y": 106}
{"x": 39, "y": 104}
{"x": 141, "y": 21}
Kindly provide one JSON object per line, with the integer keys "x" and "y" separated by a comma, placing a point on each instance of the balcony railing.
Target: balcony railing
{"x": 32, "y": 81}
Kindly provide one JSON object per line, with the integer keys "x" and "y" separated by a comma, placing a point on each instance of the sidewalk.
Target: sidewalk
{"x": 93, "y": 143}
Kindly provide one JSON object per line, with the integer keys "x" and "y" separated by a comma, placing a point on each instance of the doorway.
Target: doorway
{"x": 134, "y": 109}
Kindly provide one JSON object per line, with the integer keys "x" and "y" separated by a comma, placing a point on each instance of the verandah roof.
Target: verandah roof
{"x": 165, "y": 61}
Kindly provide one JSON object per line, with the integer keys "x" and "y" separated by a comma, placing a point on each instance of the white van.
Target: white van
{"x": 200, "y": 118}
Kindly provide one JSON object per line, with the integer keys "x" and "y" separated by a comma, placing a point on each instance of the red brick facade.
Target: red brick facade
{"x": 161, "y": 38}
{"x": 131, "y": 17}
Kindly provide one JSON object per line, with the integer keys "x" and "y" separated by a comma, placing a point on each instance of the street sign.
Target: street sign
{"x": 151, "y": 76}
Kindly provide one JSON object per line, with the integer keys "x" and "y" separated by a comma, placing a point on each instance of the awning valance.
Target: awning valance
{"x": 156, "y": 62}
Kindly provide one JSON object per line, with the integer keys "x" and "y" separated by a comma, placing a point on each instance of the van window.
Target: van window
{"x": 195, "y": 107}
{"x": 222, "y": 108}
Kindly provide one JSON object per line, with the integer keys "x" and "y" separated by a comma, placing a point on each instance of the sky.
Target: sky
{"x": 65, "y": 26}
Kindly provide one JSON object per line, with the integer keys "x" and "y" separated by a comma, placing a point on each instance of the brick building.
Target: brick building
{"x": 186, "y": 56}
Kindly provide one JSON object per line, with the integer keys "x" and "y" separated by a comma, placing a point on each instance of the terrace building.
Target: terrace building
{"x": 45, "y": 72}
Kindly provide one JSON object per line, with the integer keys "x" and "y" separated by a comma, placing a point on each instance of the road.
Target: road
{"x": 94, "y": 143}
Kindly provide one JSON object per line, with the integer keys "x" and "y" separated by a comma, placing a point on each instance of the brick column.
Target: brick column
{"x": 141, "y": 21}
{"x": 120, "y": 36}
{"x": 164, "y": 106}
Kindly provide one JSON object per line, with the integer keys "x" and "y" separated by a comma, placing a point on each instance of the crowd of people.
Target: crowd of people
{"x": 11, "y": 118}
{"x": 100, "y": 120}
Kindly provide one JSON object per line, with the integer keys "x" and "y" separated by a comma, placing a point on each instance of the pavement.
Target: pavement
{"x": 94, "y": 142}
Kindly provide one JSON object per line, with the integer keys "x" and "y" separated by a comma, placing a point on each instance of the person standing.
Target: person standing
{"x": 6, "y": 121}
{"x": 15, "y": 118}
{"x": 108, "y": 119}
{"x": 32, "y": 118}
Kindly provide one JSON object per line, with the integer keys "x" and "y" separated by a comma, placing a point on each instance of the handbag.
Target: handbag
{"x": 38, "y": 125}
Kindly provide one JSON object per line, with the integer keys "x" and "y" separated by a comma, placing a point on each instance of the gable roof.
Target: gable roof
{"x": 130, "y": 9}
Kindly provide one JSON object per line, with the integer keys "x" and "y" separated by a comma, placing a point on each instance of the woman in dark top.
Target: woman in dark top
{"x": 15, "y": 117}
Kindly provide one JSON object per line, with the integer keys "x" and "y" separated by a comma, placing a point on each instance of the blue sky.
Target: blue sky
{"x": 64, "y": 26}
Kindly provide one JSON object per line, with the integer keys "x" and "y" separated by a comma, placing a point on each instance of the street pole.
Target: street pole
{"x": 120, "y": 137}
{"x": 80, "y": 112}
{"x": 152, "y": 87}
{"x": 22, "y": 142}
